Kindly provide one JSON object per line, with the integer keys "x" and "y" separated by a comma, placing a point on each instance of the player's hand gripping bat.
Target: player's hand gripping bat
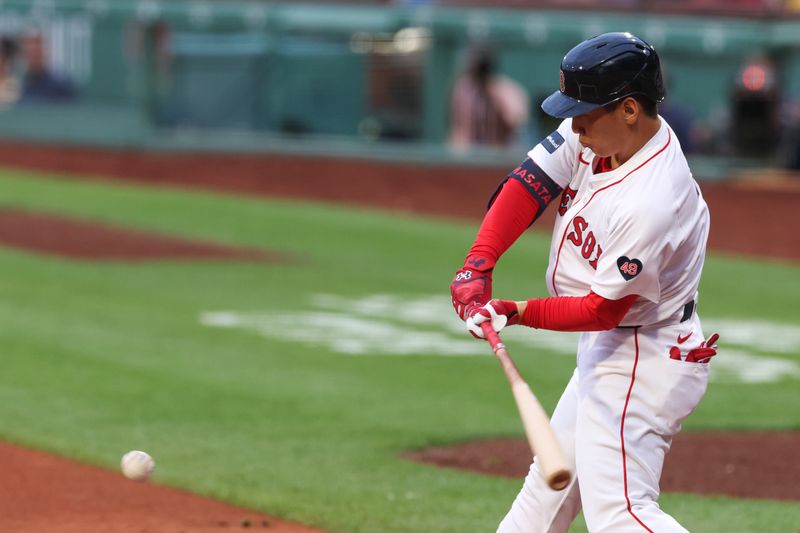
{"x": 541, "y": 438}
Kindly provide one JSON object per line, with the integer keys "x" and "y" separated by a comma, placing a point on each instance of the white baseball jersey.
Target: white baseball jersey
{"x": 638, "y": 229}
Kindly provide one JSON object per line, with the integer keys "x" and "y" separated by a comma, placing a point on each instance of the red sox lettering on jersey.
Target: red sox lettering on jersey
{"x": 582, "y": 237}
{"x": 585, "y": 240}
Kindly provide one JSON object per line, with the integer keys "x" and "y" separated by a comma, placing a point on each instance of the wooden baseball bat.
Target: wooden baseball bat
{"x": 541, "y": 438}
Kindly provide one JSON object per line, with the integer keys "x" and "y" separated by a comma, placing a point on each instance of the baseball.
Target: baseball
{"x": 137, "y": 465}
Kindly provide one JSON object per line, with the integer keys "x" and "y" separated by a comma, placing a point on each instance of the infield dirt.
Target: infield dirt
{"x": 42, "y": 493}
{"x": 51, "y": 234}
{"x": 738, "y": 464}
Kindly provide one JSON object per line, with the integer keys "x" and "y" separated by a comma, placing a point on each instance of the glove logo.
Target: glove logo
{"x": 629, "y": 268}
{"x": 463, "y": 276}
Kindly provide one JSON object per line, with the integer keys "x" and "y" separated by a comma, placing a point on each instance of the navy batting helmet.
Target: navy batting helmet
{"x": 602, "y": 70}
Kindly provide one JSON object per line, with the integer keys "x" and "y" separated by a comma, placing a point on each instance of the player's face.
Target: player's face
{"x": 601, "y": 130}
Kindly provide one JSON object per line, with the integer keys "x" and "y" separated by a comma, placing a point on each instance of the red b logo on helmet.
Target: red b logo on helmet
{"x": 562, "y": 81}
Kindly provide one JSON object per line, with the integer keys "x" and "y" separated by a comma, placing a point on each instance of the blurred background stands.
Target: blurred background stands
{"x": 382, "y": 78}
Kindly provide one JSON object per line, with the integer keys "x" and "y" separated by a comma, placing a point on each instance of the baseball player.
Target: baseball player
{"x": 625, "y": 261}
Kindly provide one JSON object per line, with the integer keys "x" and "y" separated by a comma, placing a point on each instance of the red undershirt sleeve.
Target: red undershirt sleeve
{"x": 509, "y": 216}
{"x": 577, "y": 313}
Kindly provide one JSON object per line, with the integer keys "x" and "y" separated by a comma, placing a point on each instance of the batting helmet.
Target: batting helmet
{"x": 602, "y": 70}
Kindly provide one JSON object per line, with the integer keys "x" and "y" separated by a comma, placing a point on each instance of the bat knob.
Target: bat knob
{"x": 560, "y": 479}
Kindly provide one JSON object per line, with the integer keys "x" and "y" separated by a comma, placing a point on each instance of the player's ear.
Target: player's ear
{"x": 630, "y": 110}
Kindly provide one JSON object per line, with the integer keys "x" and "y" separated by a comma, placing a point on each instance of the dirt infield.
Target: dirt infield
{"x": 42, "y": 493}
{"x": 747, "y": 218}
{"x": 63, "y": 236}
{"x": 739, "y": 464}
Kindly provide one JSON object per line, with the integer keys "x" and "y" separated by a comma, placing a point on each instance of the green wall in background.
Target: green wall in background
{"x": 273, "y": 69}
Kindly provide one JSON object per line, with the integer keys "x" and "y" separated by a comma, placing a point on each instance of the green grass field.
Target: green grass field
{"x": 292, "y": 389}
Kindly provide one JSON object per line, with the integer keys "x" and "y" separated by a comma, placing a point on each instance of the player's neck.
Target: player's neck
{"x": 641, "y": 133}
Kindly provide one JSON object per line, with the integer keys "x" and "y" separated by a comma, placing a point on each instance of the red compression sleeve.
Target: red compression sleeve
{"x": 577, "y": 313}
{"x": 509, "y": 216}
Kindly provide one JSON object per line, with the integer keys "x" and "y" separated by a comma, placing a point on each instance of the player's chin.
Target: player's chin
{"x": 599, "y": 151}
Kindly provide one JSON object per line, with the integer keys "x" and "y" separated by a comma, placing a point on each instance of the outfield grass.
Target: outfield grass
{"x": 102, "y": 358}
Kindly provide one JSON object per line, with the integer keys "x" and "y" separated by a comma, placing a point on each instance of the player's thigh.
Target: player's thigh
{"x": 565, "y": 415}
{"x": 630, "y": 407}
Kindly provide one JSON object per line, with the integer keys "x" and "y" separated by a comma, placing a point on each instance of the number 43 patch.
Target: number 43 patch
{"x": 629, "y": 268}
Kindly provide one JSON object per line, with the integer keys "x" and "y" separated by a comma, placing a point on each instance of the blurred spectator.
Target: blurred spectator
{"x": 9, "y": 84}
{"x": 755, "y": 102}
{"x": 40, "y": 84}
{"x": 486, "y": 108}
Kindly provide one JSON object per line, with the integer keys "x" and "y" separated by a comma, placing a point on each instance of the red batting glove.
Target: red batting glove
{"x": 501, "y": 313}
{"x": 471, "y": 287}
{"x": 701, "y": 354}
{"x": 705, "y": 352}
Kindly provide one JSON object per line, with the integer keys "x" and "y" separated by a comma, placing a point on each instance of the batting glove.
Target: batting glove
{"x": 501, "y": 313}
{"x": 471, "y": 287}
{"x": 701, "y": 354}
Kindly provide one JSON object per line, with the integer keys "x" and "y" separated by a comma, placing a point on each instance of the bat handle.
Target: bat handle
{"x": 500, "y": 351}
{"x": 492, "y": 336}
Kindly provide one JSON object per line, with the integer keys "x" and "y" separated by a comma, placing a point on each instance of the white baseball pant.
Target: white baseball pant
{"x": 615, "y": 421}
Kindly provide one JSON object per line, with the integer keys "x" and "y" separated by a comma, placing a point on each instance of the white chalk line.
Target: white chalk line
{"x": 383, "y": 324}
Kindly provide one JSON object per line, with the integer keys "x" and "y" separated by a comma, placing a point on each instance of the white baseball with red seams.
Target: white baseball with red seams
{"x": 638, "y": 229}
